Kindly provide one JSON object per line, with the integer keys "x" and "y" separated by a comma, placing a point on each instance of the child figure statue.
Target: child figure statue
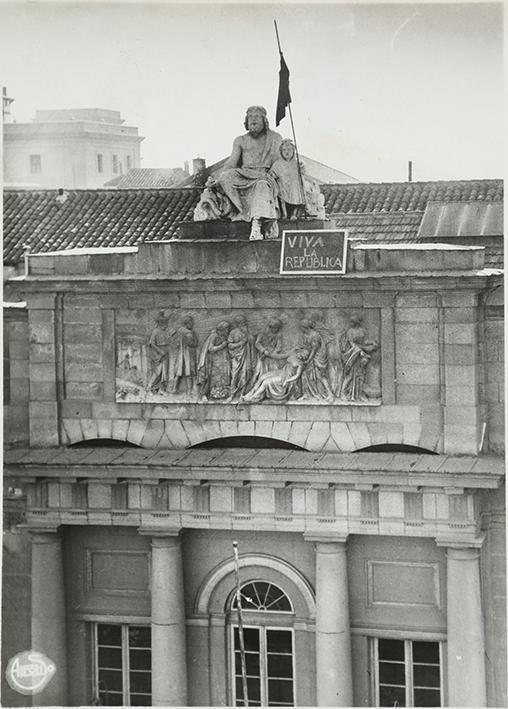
{"x": 289, "y": 182}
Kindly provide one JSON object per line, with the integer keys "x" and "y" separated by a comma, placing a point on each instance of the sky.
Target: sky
{"x": 373, "y": 85}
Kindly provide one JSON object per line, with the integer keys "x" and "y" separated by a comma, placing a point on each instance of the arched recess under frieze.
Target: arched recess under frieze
{"x": 212, "y": 596}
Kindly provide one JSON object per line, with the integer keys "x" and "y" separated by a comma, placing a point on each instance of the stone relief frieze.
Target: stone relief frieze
{"x": 328, "y": 356}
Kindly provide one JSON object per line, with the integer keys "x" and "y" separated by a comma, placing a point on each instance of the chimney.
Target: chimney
{"x": 410, "y": 171}
{"x": 186, "y": 166}
{"x": 6, "y": 106}
{"x": 197, "y": 165}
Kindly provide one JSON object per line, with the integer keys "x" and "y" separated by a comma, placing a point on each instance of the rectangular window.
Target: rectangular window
{"x": 115, "y": 164}
{"x": 35, "y": 164}
{"x": 408, "y": 673}
{"x": 100, "y": 162}
{"x": 123, "y": 665}
{"x": 128, "y": 161}
{"x": 269, "y": 667}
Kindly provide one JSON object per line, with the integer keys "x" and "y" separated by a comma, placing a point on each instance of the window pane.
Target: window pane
{"x": 426, "y": 652}
{"x": 427, "y": 698}
{"x": 280, "y": 665}
{"x": 109, "y": 635}
{"x": 426, "y": 676}
{"x": 251, "y": 663}
{"x": 110, "y": 657}
{"x": 392, "y": 673}
{"x": 250, "y": 639}
{"x": 141, "y": 700}
{"x": 253, "y": 689}
{"x": 280, "y": 690}
{"x": 111, "y": 699}
{"x": 391, "y": 650}
{"x": 279, "y": 640}
{"x": 140, "y": 682}
{"x": 140, "y": 660}
{"x": 392, "y": 696}
{"x": 140, "y": 636}
{"x": 260, "y": 595}
{"x": 111, "y": 680}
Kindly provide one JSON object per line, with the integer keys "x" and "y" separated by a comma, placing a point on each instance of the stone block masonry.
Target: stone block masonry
{"x": 426, "y": 366}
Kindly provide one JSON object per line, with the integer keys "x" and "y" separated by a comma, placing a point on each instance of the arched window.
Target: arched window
{"x": 267, "y": 619}
{"x": 263, "y": 596}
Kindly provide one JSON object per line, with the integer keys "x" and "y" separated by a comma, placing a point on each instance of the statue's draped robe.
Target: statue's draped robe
{"x": 185, "y": 363}
{"x": 250, "y": 188}
{"x": 214, "y": 367}
{"x": 315, "y": 383}
{"x": 242, "y": 355}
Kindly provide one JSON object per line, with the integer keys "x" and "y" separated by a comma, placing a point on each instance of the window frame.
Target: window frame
{"x": 261, "y": 620}
{"x": 100, "y": 163}
{"x": 35, "y": 162}
{"x": 408, "y": 668}
{"x": 262, "y": 628}
{"x": 125, "y": 668}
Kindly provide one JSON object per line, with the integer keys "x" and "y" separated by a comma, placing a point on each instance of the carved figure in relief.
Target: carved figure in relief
{"x": 356, "y": 352}
{"x": 279, "y": 385}
{"x": 214, "y": 365}
{"x": 241, "y": 352}
{"x": 268, "y": 346}
{"x": 315, "y": 377}
{"x": 158, "y": 354}
{"x": 185, "y": 362}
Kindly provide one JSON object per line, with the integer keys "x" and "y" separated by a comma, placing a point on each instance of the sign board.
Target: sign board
{"x": 313, "y": 252}
{"x": 29, "y": 672}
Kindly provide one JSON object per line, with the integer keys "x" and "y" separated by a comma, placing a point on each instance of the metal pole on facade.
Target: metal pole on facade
{"x": 302, "y": 190}
{"x": 241, "y": 641}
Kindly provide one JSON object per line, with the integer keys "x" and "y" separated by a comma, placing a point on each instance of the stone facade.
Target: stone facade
{"x": 366, "y": 545}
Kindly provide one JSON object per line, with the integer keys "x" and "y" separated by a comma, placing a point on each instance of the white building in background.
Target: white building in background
{"x": 69, "y": 148}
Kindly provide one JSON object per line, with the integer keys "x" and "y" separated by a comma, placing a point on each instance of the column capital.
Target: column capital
{"x": 330, "y": 538}
{"x": 161, "y": 537}
{"x": 36, "y": 530}
{"x": 461, "y": 542}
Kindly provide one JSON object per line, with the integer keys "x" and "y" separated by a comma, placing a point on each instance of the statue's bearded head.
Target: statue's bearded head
{"x": 256, "y": 121}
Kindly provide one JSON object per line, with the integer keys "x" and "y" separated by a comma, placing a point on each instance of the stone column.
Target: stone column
{"x": 48, "y": 613}
{"x": 465, "y": 638}
{"x": 334, "y": 679}
{"x": 169, "y": 670}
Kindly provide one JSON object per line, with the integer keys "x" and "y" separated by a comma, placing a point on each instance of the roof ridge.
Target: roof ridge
{"x": 413, "y": 182}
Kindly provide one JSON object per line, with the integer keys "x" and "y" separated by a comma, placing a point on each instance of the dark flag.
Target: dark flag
{"x": 284, "y": 97}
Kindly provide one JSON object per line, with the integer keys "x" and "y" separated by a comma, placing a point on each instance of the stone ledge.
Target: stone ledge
{"x": 224, "y": 230}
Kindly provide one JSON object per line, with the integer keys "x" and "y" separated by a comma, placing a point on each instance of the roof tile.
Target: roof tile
{"x": 385, "y": 211}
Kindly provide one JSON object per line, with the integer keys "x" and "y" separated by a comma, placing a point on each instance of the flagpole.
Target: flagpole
{"x": 302, "y": 191}
{"x": 240, "y": 627}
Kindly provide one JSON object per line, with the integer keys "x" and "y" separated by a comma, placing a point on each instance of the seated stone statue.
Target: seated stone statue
{"x": 251, "y": 191}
